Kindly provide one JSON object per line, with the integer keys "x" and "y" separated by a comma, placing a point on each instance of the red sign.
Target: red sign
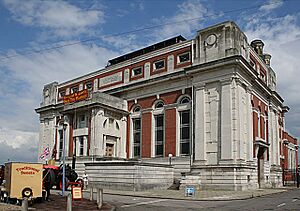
{"x": 77, "y": 96}
{"x": 27, "y": 170}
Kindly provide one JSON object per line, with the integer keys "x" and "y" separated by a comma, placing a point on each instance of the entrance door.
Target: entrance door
{"x": 109, "y": 150}
{"x": 260, "y": 166}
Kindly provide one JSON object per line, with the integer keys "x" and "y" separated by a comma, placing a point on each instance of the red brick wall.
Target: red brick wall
{"x": 146, "y": 134}
{"x": 170, "y": 133}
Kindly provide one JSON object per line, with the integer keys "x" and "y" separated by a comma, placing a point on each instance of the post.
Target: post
{"x": 91, "y": 194}
{"x": 24, "y": 204}
{"x": 64, "y": 159}
{"x": 99, "y": 197}
{"x": 69, "y": 202}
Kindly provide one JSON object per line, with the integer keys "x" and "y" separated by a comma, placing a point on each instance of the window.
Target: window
{"x": 61, "y": 94}
{"x": 81, "y": 121}
{"x": 81, "y": 147}
{"x": 89, "y": 85}
{"x": 137, "y": 137}
{"x": 185, "y": 100}
{"x": 159, "y": 135}
{"x": 137, "y": 109}
{"x": 185, "y": 132}
{"x": 74, "y": 89}
{"x": 160, "y": 104}
{"x": 158, "y": 65}
{"x": 185, "y": 57}
{"x": 61, "y": 143}
{"x": 137, "y": 71}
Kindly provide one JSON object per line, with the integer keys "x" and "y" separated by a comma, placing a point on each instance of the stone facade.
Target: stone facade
{"x": 208, "y": 106}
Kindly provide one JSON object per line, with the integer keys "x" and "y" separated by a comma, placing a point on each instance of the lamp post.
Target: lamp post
{"x": 64, "y": 160}
{"x": 170, "y": 159}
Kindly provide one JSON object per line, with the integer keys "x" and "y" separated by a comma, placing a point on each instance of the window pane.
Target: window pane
{"x": 159, "y": 135}
{"x": 184, "y": 57}
{"x": 137, "y": 137}
{"x": 159, "y": 150}
{"x": 185, "y": 130}
{"x": 159, "y": 120}
{"x": 159, "y": 64}
{"x": 185, "y": 133}
{"x": 137, "y": 71}
{"x": 137, "y": 124}
{"x": 185, "y": 117}
{"x": 185, "y": 148}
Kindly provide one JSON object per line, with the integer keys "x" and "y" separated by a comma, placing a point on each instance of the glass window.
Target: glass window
{"x": 159, "y": 65}
{"x": 159, "y": 105}
{"x": 185, "y": 57}
{"x": 136, "y": 137}
{"x": 62, "y": 94}
{"x": 89, "y": 85}
{"x": 81, "y": 121}
{"x": 81, "y": 147}
{"x": 185, "y": 100}
{"x": 137, "y": 109}
{"x": 159, "y": 135}
{"x": 137, "y": 71}
{"x": 74, "y": 89}
{"x": 185, "y": 132}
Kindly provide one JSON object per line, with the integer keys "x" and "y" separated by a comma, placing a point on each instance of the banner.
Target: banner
{"x": 77, "y": 96}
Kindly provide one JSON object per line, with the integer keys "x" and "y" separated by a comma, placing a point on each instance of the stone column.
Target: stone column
{"x": 200, "y": 136}
{"x": 226, "y": 121}
{"x": 250, "y": 125}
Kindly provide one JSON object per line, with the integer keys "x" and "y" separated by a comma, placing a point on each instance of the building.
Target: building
{"x": 208, "y": 105}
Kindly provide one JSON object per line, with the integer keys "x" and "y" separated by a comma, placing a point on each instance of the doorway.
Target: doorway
{"x": 260, "y": 166}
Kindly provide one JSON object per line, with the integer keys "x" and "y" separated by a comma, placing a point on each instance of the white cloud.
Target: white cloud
{"x": 21, "y": 83}
{"x": 62, "y": 18}
{"x": 271, "y": 5}
{"x": 281, "y": 36}
{"x": 18, "y": 145}
{"x": 190, "y": 9}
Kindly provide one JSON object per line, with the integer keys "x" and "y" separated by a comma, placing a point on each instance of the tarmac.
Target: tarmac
{"x": 59, "y": 203}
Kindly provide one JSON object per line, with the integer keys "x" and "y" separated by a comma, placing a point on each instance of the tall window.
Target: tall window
{"x": 137, "y": 137}
{"x": 159, "y": 135}
{"x": 81, "y": 145}
{"x": 185, "y": 125}
{"x": 185, "y": 132}
{"x": 61, "y": 142}
{"x": 81, "y": 121}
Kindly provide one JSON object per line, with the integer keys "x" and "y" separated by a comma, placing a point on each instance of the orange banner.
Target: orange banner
{"x": 77, "y": 96}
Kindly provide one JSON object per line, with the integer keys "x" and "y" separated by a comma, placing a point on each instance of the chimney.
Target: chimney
{"x": 258, "y": 46}
{"x": 267, "y": 59}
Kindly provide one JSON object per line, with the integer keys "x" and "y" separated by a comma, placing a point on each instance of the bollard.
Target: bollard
{"x": 24, "y": 204}
{"x": 99, "y": 197}
{"x": 91, "y": 194}
{"x": 69, "y": 202}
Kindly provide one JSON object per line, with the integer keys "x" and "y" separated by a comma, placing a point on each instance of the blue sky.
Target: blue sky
{"x": 31, "y": 26}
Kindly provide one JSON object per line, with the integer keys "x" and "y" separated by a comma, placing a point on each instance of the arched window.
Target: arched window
{"x": 136, "y": 109}
{"x": 136, "y": 131}
{"x": 185, "y": 125}
{"x": 159, "y": 104}
{"x": 159, "y": 128}
{"x": 185, "y": 100}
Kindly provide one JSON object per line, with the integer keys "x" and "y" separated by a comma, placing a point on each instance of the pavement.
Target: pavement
{"x": 59, "y": 203}
{"x": 200, "y": 195}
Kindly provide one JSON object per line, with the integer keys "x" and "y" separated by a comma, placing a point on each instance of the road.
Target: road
{"x": 289, "y": 200}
